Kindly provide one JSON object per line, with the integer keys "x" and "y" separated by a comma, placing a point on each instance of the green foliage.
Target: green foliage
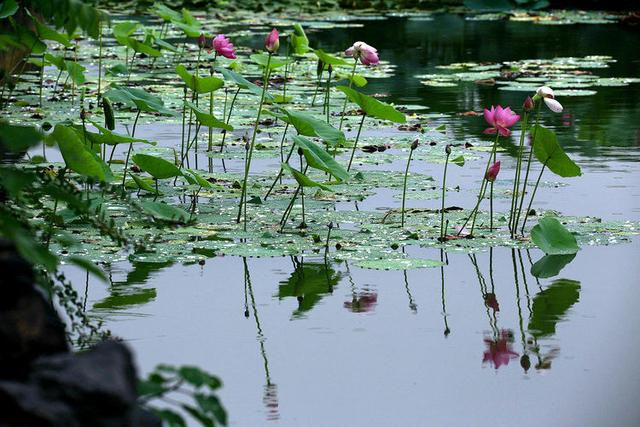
{"x": 191, "y": 381}
{"x": 318, "y": 158}
{"x": 553, "y": 238}
{"x": 372, "y": 107}
{"x": 207, "y": 119}
{"x": 199, "y": 84}
{"x": 78, "y": 157}
{"x": 165, "y": 212}
{"x": 549, "y": 152}
{"x": 550, "y": 265}
{"x": 243, "y": 83}
{"x": 308, "y": 125}
{"x": 157, "y": 167}
{"x": 137, "y": 98}
{"x": 302, "y": 179}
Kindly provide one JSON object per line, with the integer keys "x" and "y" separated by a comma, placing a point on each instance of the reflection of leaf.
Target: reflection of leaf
{"x": 551, "y": 305}
{"x": 550, "y": 265}
{"x": 309, "y": 283}
{"x": 141, "y": 272}
{"x": 553, "y": 238}
{"x": 126, "y": 300}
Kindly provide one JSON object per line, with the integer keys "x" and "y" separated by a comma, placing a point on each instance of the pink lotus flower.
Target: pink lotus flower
{"x": 272, "y": 42}
{"x": 500, "y": 119}
{"x": 492, "y": 172}
{"x": 368, "y": 55}
{"x": 499, "y": 352}
{"x": 546, "y": 93}
{"x": 223, "y": 46}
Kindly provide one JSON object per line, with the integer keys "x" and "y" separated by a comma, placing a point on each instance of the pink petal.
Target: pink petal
{"x": 504, "y": 131}
{"x": 489, "y": 116}
{"x": 489, "y": 131}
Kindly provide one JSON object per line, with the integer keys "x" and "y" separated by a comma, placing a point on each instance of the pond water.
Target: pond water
{"x": 301, "y": 342}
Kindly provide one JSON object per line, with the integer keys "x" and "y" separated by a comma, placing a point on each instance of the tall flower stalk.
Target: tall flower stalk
{"x": 543, "y": 94}
{"x": 443, "y": 230}
{"x": 527, "y": 106}
{"x": 272, "y": 43}
{"x": 414, "y": 145}
{"x": 368, "y": 55}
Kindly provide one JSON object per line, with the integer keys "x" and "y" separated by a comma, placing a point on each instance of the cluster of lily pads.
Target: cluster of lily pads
{"x": 301, "y": 108}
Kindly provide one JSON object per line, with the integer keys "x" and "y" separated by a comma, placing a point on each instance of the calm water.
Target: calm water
{"x": 317, "y": 345}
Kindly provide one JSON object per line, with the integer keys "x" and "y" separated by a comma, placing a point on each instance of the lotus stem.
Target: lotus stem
{"x": 353, "y": 151}
{"x": 326, "y": 243}
{"x": 516, "y": 180}
{"x": 252, "y": 143}
{"x": 444, "y": 189}
{"x": 99, "y": 95}
{"x": 526, "y": 175}
{"x": 533, "y": 195}
{"x": 346, "y": 98}
{"x": 279, "y": 173}
{"x": 41, "y": 80}
{"x": 328, "y": 95}
{"x": 404, "y": 187}
{"x": 126, "y": 162}
{"x": 224, "y": 133}
{"x": 318, "y": 84}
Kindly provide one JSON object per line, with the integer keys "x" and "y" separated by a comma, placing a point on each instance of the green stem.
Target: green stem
{"x": 444, "y": 189}
{"x": 99, "y": 61}
{"x": 315, "y": 93}
{"x": 353, "y": 151}
{"x": 533, "y": 195}
{"x": 126, "y": 162}
{"x": 328, "y": 97}
{"x": 516, "y": 180}
{"x": 279, "y": 173}
{"x": 41, "y": 79}
{"x": 346, "y": 98}
{"x": 404, "y": 188}
{"x": 526, "y": 175}
{"x": 224, "y": 135}
{"x": 253, "y": 139}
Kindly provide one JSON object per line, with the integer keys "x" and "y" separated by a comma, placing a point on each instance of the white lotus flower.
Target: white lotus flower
{"x": 546, "y": 93}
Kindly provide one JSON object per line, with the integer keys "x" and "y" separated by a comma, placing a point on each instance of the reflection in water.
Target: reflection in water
{"x": 309, "y": 283}
{"x": 270, "y": 397}
{"x": 499, "y": 350}
{"x": 447, "y": 331}
{"x": 129, "y": 292}
{"x": 491, "y": 313}
{"x": 362, "y": 302}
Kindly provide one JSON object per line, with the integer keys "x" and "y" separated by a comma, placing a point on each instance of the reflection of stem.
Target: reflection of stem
{"x": 447, "y": 331}
{"x": 483, "y": 291}
{"x": 520, "y": 320}
{"x": 412, "y": 305}
{"x": 326, "y": 245}
{"x": 355, "y": 144}
{"x": 261, "y": 337}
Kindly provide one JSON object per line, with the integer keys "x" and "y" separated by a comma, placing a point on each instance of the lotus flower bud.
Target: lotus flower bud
{"x": 272, "y": 42}
{"x": 414, "y": 144}
{"x": 492, "y": 172}
{"x": 546, "y": 93}
{"x": 330, "y": 69}
{"x": 202, "y": 41}
{"x": 528, "y": 104}
{"x": 447, "y": 149}
{"x": 319, "y": 68}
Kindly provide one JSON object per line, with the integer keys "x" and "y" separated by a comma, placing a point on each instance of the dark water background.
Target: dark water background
{"x": 395, "y": 348}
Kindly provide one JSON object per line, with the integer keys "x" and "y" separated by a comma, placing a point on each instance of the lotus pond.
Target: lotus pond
{"x": 346, "y": 290}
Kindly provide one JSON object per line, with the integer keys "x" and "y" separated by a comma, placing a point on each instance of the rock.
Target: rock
{"x": 95, "y": 388}
{"x": 29, "y": 326}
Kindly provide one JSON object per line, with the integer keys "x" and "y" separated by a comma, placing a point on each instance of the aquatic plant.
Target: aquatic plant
{"x": 366, "y": 54}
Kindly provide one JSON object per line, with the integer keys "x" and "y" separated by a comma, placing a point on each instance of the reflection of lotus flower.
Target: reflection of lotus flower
{"x": 499, "y": 351}
{"x": 270, "y": 400}
{"x": 491, "y": 301}
{"x": 500, "y": 119}
{"x": 546, "y": 93}
{"x": 272, "y": 42}
{"x": 223, "y": 46}
{"x": 365, "y": 302}
{"x": 368, "y": 55}
{"x": 492, "y": 172}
